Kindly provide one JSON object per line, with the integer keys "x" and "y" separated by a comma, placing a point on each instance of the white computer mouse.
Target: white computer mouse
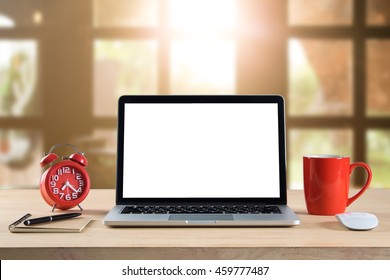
{"x": 358, "y": 220}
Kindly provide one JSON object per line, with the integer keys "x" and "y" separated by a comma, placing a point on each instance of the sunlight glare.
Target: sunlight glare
{"x": 203, "y": 66}
{"x": 6, "y": 21}
{"x": 203, "y": 15}
{"x": 297, "y": 54}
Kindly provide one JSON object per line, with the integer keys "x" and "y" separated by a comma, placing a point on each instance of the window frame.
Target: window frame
{"x": 359, "y": 122}
{"x": 66, "y": 38}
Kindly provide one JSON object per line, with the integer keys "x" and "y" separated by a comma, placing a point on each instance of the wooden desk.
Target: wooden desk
{"x": 318, "y": 237}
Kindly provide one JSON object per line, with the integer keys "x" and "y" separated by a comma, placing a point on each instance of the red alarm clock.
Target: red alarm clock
{"x": 65, "y": 184}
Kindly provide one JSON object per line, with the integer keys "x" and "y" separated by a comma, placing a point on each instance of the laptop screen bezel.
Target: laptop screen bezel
{"x": 275, "y": 99}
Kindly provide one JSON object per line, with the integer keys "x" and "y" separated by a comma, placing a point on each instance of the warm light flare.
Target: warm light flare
{"x": 203, "y": 66}
{"x": 203, "y": 15}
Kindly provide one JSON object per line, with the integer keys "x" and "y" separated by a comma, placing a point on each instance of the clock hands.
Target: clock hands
{"x": 70, "y": 186}
{"x": 67, "y": 184}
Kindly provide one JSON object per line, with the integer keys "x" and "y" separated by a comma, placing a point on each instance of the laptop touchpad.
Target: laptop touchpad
{"x": 201, "y": 217}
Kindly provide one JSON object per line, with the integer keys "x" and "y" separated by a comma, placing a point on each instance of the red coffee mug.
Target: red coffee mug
{"x": 326, "y": 183}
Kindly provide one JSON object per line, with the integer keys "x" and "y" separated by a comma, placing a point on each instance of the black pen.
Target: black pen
{"x": 50, "y": 218}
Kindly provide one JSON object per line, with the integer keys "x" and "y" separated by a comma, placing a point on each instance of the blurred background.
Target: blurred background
{"x": 63, "y": 64}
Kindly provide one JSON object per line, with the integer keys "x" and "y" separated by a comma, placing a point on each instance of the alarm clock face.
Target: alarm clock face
{"x": 66, "y": 184}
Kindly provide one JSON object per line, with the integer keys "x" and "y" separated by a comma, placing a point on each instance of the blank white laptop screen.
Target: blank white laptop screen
{"x": 201, "y": 150}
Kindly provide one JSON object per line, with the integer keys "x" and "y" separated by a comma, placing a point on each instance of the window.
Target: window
{"x": 122, "y": 66}
{"x": 63, "y": 66}
{"x": 338, "y": 76}
{"x": 21, "y": 137}
{"x": 320, "y": 85}
{"x": 164, "y": 51}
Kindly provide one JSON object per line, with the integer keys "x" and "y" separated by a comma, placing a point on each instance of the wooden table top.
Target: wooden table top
{"x": 313, "y": 234}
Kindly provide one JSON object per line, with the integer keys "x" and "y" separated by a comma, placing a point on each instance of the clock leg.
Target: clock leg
{"x": 54, "y": 207}
{"x": 80, "y": 207}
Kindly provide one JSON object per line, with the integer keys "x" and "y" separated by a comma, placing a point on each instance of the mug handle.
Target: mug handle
{"x": 369, "y": 177}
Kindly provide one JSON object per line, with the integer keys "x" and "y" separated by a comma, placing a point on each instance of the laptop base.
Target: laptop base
{"x": 115, "y": 219}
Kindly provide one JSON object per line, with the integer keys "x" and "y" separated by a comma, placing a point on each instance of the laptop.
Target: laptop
{"x": 201, "y": 161}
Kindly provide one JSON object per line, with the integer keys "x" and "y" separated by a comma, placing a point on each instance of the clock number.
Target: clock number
{"x": 79, "y": 190}
{"x": 55, "y": 191}
{"x": 55, "y": 178}
{"x": 53, "y": 184}
{"x": 68, "y": 197}
{"x": 79, "y": 179}
{"x": 74, "y": 195}
{"x": 63, "y": 170}
{"x": 61, "y": 195}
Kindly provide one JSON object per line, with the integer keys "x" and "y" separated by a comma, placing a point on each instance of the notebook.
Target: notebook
{"x": 201, "y": 161}
{"x": 63, "y": 226}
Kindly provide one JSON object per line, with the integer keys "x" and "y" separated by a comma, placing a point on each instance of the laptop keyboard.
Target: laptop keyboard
{"x": 231, "y": 209}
